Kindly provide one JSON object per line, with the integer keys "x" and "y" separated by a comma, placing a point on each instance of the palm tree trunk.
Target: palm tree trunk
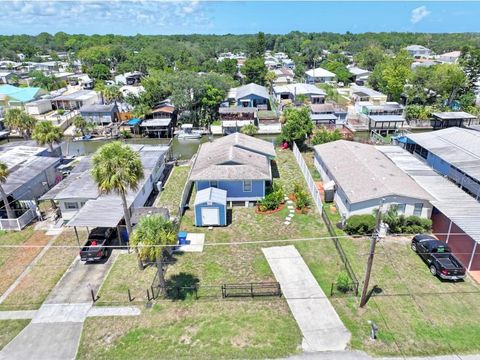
{"x": 160, "y": 273}
{"x": 128, "y": 223}
{"x": 10, "y": 212}
{"x": 50, "y": 146}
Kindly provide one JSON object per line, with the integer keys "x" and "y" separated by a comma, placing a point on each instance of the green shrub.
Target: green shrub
{"x": 401, "y": 224}
{"x": 343, "y": 282}
{"x": 273, "y": 199}
{"x": 249, "y": 129}
{"x": 360, "y": 224}
{"x": 60, "y": 112}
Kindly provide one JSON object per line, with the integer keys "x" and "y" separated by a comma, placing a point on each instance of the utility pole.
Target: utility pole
{"x": 373, "y": 243}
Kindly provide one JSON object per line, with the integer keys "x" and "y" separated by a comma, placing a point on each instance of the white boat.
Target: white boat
{"x": 187, "y": 132}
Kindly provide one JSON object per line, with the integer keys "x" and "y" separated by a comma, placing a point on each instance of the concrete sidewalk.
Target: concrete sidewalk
{"x": 321, "y": 327}
{"x": 359, "y": 355}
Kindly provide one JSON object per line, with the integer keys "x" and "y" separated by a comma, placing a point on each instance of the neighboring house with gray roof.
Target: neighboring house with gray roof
{"x": 363, "y": 176}
{"x": 100, "y": 113}
{"x": 237, "y": 163}
{"x": 82, "y": 204}
{"x": 250, "y": 95}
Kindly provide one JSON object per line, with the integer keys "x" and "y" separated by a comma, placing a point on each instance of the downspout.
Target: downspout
{"x": 449, "y": 229}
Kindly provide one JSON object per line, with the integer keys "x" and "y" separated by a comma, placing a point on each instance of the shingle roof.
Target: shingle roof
{"x": 364, "y": 173}
{"x": 236, "y": 156}
{"x": 249, "y": 89}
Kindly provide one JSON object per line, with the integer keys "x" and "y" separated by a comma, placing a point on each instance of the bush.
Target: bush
{"x": 343, "y": 282}
{"x": 273, "y": 199}
{"x": 60, "y": 112}
{"x": 301, "y": 196}
{"x": 360, "y": 224}
{"x": 249, "y": 129}
{"x": 401, "y": 224}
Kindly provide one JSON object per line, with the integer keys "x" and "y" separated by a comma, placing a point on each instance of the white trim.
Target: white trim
{"x": 473, "y": 255}
{"x": 244, "y": 198}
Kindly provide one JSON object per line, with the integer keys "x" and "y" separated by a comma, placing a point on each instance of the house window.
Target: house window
{"x": 417, "y": 211}
{"x": 214, "y": 184}
{"x": 247, "y": 186}
{"x": 71, "y": 205}
{"x": 400, "y": 208}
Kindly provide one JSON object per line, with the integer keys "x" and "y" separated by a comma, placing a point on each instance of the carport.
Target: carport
{"x": 104, "y": 212}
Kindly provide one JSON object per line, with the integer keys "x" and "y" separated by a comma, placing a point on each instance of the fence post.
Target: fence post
{"x": 148, "y": 295}
{"x": 251, "y": 289}
{"x": 94, "y": 299}
{"x": 331, "y": 289}
{"x": 130, "y": 299}
{"x": 153, "y": 292}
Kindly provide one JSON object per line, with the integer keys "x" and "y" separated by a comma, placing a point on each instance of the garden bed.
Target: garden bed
{"x": 268, "y": 212}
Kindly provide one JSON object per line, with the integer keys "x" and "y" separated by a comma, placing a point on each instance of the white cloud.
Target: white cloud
{"x": 177, "y": 16}
{"x": 418, "y": 14}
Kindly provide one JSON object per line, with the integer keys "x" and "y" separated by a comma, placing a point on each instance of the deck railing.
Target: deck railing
{"x": 18, "y": 223}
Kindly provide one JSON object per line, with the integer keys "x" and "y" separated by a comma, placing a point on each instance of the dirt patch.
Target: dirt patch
{"x": 397, "y": 239}
{"x": 20, "y": 258}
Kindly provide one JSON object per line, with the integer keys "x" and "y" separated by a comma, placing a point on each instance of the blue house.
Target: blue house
{"x": 250, "y": 96}
{"x": 238, "y": 164}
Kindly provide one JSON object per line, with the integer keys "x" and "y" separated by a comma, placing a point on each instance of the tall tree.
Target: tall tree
{"x": 370, "y": 57}
{"x": 80, "y": 123}
{"x": 297, "y": 125}
{"x": 117, "y": 168}
{"x": 391, "y": 75}
{"x": 3, "y": 179}
{"x": 151, "y": 239}
{"x": 112, "y": 94}
{"x": 255, "y": 70}
{"x": 448, "y": 80}
{"x": 99, "y": 72}
{"x": 211, "y": 101}
{"x": 45, "y": 133}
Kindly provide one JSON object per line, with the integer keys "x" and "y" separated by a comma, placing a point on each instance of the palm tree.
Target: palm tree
{"x": 3, "y": 179}
{"x": 117, "y": 168}
{"x": 45, "y": 133}
{"x": 150, "y": 237}
{"x": 100, "y": 88}
{"x": 16, "y": 119}
{"x": 112, "y": 94}
{"x": 80, "y": 123}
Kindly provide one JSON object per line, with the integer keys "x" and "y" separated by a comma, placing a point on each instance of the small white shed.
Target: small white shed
{"x": 211, "y": 207}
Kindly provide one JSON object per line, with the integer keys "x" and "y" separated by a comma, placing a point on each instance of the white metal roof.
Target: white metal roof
{"x": 453, "y": 202}
{"x": 458, "y": 146}
{"x": 320, "y": 72}
{"x": 214, "y": 195}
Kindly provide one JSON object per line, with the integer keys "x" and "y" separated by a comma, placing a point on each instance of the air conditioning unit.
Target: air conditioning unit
{"x": 159, "y": 186}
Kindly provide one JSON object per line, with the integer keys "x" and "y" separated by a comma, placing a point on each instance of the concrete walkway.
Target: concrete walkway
{"x": 321, "y": 327}
{"x": 56, "y": 328}
{"x": 359, "y": 355}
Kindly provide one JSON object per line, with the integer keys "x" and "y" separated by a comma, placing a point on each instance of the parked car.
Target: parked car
{"x": 438, "y": 256}
{"x": 96, "y": 246}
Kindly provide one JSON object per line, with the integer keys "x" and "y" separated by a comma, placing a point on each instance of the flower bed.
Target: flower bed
{"x": 268, "y": 212}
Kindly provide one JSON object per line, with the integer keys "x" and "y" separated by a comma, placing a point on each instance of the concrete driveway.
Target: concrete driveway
{"x": 55, "y": 331}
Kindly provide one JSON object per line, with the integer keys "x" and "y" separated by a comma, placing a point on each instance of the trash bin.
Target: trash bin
{"x": 182, "y": 238}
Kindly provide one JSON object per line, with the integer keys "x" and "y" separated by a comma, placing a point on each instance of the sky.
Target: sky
{"x": 129, "y": 17}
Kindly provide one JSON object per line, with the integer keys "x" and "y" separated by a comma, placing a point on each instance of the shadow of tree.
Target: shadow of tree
{"x": 181, "y": 286}
{"x": 275, "y": 172}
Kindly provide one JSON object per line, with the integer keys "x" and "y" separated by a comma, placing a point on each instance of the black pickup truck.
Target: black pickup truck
{"x": 95, "y": 248}
{"x": 438, "y": 256}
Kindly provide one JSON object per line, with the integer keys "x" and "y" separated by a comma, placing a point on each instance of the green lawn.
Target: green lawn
{"x": 35, "y": 287}
{"x": 211, "y": 327}
{"x": 173, "y": 188}
{"x": 10, "y": 329}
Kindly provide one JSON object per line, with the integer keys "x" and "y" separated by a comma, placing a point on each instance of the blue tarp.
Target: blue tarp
{"x": 133, "y": 122}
